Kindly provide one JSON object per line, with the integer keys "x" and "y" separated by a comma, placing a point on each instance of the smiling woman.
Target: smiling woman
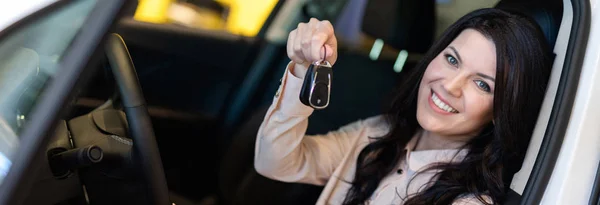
{"x": 456, "y": 131}
{"x": 456, "y": 92}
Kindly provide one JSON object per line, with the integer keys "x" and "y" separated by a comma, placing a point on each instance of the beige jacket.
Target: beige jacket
{"x": 283, "y": 152}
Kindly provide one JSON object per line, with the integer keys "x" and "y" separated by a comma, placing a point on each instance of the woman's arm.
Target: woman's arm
{"x": 284, "y": 153}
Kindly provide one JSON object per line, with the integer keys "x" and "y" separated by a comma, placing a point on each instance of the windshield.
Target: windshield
{"x": 29, "y": 58}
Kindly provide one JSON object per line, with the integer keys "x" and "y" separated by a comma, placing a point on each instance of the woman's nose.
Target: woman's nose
{"x": 454, "y": 84}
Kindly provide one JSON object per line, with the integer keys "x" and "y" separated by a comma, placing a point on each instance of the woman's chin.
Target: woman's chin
{"x": 432, "y": 124}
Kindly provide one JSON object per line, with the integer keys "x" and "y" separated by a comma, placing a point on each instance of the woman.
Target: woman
{"x": 456, "y": 132}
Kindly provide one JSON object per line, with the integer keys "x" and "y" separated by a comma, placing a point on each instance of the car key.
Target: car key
{"x": 316, "y": 88}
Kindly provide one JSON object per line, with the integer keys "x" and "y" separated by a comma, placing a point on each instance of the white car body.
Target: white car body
{"x": 575, "y": 170}
{"x": 16, "y": 10}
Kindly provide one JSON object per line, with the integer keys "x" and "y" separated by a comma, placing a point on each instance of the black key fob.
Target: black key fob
{"x": 316, "y": 88}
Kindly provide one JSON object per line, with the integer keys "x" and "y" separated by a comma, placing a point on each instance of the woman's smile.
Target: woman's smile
{"x": 441, "y": 106}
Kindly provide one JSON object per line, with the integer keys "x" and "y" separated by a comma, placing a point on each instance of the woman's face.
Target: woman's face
{"x": 456, "y": 93}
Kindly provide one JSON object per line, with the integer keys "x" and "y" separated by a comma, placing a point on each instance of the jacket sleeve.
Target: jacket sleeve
{"x": 283, "y": 151}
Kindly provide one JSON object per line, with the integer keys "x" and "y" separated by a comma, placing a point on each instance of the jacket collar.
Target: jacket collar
{"x": 419, "y": 160}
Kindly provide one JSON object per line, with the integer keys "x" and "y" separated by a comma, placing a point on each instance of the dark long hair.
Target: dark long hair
{"x": 495, "y": 155}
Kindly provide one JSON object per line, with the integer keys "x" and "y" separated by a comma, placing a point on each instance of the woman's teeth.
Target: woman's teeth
{"x": 441, "y": 104}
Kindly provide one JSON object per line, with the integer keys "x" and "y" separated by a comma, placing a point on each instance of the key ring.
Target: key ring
{"x": 324, "y": 53}
{"x": 323, "y": 62}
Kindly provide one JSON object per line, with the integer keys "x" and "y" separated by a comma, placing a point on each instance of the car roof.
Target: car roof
{"x": 13, "y": 11}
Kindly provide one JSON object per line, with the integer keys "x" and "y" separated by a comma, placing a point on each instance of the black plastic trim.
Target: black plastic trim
{"x": 563, "y": 104}
{"x": 57, "y": 97}
{"x": 595, "y": 197}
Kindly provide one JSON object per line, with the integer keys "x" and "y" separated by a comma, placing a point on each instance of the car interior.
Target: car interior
{"x": 207, "y": 91}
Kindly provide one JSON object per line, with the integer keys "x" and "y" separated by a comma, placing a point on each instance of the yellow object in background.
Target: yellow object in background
{"x": 195, "y": 17}
{"x": 153, "y": 11}
{"x": 246, "y": 17}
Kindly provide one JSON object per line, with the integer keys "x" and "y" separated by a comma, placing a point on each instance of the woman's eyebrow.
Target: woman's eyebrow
{"x": 459, "y": 59}
{"x": 486, "y": 77}
{"x": 455, "y": 53}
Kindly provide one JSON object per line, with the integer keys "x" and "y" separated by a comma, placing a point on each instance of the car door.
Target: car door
{"x": 43, "y": 60}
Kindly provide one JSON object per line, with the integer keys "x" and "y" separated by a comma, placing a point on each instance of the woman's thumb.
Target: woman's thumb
{"x": 327, "y": 51}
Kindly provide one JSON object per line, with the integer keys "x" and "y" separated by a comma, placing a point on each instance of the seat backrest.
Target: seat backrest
{"x": 548, "y": 15}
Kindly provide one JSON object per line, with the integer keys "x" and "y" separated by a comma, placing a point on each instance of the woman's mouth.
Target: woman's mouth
{"x": 437, "y": 102}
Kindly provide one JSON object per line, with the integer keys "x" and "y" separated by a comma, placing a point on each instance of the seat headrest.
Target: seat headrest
{"x": 547, "y": 14}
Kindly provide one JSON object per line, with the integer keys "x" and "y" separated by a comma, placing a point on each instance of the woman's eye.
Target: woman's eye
{"x": 483, "y": 86}
{"x": 451, "y": 60}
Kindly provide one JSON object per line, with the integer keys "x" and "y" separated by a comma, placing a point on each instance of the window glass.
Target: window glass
{"x": 29, "y": 59}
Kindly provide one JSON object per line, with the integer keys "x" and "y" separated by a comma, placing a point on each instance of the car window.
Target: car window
{"x": 29, "y": 58}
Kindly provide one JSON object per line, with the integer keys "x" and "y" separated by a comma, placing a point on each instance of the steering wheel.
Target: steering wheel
{"x": 145, "y": 148}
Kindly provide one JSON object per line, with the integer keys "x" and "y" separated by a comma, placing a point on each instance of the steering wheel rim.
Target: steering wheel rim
{"x": 145, "y": 148}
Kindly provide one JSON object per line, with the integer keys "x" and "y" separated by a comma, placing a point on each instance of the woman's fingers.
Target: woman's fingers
{"x": 317, "y": 51}
{"x": 323, "y": 42}
{"x": 291, "y": 48}
{"x": 298, "y": 43}
{"x": 307, "y": 42}
{"x": 331, "y": 42}
{"x": 311, "y": 42}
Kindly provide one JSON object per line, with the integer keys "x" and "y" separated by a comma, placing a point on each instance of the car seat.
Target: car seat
{"x": 548, "y": 15}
